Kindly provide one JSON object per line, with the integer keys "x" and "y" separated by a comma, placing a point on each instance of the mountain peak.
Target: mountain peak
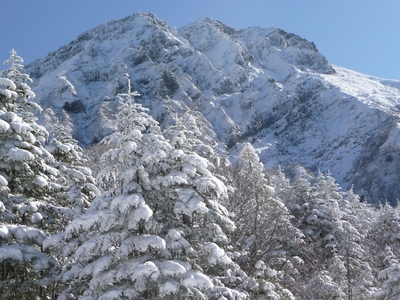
{"x": 296, "y": 41}
{"x": 261, "y": 85}
{"x": 221, "y": 27}
{"x": 133, "y": 27}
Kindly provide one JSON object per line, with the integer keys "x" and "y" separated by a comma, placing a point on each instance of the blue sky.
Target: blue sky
{"x": 360, "y": 35}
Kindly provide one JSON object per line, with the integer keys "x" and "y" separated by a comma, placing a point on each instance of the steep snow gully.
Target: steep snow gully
{"x": 261, "y": 85}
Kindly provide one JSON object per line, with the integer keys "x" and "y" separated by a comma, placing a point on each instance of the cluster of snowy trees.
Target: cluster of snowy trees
{"x": 167, "y": 218}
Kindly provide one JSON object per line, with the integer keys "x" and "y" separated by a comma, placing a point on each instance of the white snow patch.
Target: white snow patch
{"x": 147, "y": 269}
{"x": 36, "y": 217}
{"x": 8, "y": 83}
{"x": 142, "y": 243}
{"x": 3, "y": 181}
{"x": 143, "y": 212}
{"x": 40, "y": 181}
{"x": 4, "y": 126}
{"x": 176, "y": 242}
{"x": 172, "y": 268}
{"x": 196, "y": 160}
{"x": 210, "y": 183}
{"x": 216, "y": 255}
{"x": 189, "y": 202}
{"x": 168, "y": 288}
{"x": 16, "y": 154}
{"x": 126, "y": 202}
{"x": 11, "y": 252}
{"x": 3, "y": 231}
{"x": 197, "y": 280}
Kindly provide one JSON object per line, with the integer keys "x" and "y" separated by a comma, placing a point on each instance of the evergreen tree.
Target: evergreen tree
{"x": 186, "y": 135}
{"x": 390, "y": 277}
{"x": 159, "y": 230}
{"x": 385, "y": 229}
{"x": 74, "y": 175}
{"x": 336, "y": 238}
{"x": 353, "y": 247}
{"x": 14, "y": 87}
{"x": 27, "y": 183}
{"x": 265, "y": 232}
{"x": 39, "y": 194}
{"x": 384, "y": 246}
{"x": 322, "y": 286}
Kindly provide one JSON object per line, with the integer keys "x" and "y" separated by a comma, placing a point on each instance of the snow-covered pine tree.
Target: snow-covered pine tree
{"x": 348, "y": 239}
{"x": 384, "y": 246}
{"x": 15, "y": 88}
{"x": 390, "y": 277}
{"x": 185, "y": 134}
{"x": 74, "y": 175}
{"x": 322, "y": 286}
{"x": 265, "y": 231}
{"x": 39, "y": 194}
{"x": 159, "y": 231}
{"x": 384, "y": 232}
{"x": 336, "y": 238}
{"x": 27, "y": 183}
{"x": 353, "y": 247}
{"x": 23, "y": 158}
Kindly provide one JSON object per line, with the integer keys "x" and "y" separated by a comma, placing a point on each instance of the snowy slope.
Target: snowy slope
{"x": 271, "y": 88}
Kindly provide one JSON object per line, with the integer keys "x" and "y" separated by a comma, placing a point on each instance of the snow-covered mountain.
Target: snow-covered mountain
{"x": 262, "y": 85}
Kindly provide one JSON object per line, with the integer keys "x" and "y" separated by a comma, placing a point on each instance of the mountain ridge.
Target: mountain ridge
{"x": 262, "y": 85}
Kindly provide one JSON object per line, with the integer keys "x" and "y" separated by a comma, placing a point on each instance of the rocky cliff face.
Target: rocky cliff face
{"x": 266, "y": 86}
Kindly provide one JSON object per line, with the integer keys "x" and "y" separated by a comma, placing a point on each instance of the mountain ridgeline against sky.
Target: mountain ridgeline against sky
{"x": 261, "y": 85}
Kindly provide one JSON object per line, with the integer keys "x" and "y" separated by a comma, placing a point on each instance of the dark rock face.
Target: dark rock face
{"x": 75, "y": 107}
{"x": 262, "y": 85}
